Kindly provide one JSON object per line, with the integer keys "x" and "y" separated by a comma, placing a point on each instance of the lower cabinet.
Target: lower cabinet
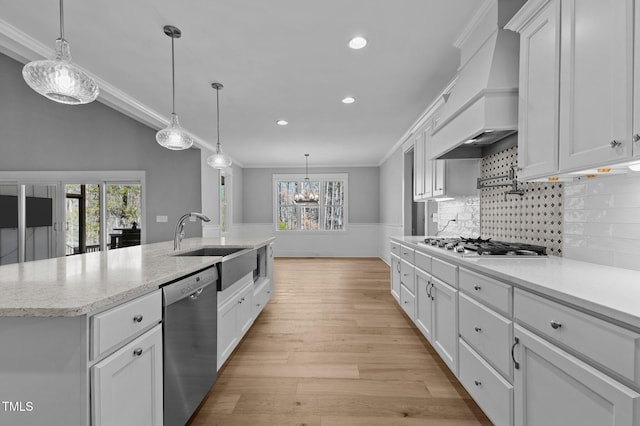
{"x": 127, "y": 385}
{"x": 553, "y": 387}
{"x": 234, "y": 316}
{"x": 395, "y": 277}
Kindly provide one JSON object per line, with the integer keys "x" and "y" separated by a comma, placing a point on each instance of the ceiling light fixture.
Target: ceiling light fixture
{"x": 58, "y": 79}
{"x": 173, "y": 136}
{"x": 282, "y": 122}
{"x": 635, "y": 167}
{"x": 218, "y": 160}
{"x": 357, "y": 42}
{"x": 306, "y": 197}
{"x": 349, "y": 100}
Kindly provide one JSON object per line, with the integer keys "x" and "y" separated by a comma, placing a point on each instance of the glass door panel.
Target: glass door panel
{"x": 82, "y": 218}
{"x": 8, "y": 224}
{"x": 40, "y": 218}
{"x": 124, "y": 214}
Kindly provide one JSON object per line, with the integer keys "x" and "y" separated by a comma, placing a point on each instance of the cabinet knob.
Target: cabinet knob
{"x": 614, "y": 143}
{"x": 137, "y": 318}
{"x": 406, "y": 302}
{"x": 555, "y": 324}
{"x": 477, "y": 287}
{"x": 137, "y": 351}
{"x": 477, "y": 382}
{"x": 477, "y": 329}
{"x": 636, "y": 137}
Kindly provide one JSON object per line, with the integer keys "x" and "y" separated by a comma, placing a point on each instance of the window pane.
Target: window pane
{"x": 310, "y": 218}
{"x": 315, "y": 186}
{"x": 287, "y": 218}
{"x": 286, "y": 191}
{"x": 124, "y": 207}
{"x": 334, "y": 193}
{"x": 333, "y": 218}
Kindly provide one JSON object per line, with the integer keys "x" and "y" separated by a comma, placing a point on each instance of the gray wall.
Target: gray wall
{"x": 39, "y": 134}
{"x": 364, "y": 192}
{"x": 391, "y": 189}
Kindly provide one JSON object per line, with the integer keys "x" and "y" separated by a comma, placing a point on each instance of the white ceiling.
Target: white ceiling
{"x": 276, "y": 59}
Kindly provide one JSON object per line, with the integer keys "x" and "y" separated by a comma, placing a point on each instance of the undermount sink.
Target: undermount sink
{"x": 236, "y": 262}
{"x": 212, "y": 251}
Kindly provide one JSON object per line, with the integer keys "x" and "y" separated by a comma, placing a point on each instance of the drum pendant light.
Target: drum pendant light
{"x": 173, "y": 136}
{"x": 218, "y": 160}
{"x": 58, "y": 79}
{"x": 306, "y": 196}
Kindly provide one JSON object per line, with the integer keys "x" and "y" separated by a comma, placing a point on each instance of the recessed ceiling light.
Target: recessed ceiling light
{"x": 357, "y": 42}
{"x": 349, "y": 100}
{"x": 470, "y": 141}
{"x": 282, "y": 122}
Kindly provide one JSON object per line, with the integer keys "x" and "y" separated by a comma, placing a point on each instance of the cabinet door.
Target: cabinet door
{"x": 438, "y": 177}
{"x": 538, "y": 109}
{"x": 245, "y": 311}
{"x": 395, "y": 277}
{"x": 424, "y": 311}
{"x": 595, "y": 82}
{"x": 270, "y": 262}
{"x": 418, "y": 167}
{"x": 428, "y": 163}
{"x": 127, "y": 386}
{"x": 227, "y": 329}
{"x": 555, "y": 388}
{"x": 445, "y": 322}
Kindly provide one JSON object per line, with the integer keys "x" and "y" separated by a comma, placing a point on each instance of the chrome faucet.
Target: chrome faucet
{"x": 179, "y": 234}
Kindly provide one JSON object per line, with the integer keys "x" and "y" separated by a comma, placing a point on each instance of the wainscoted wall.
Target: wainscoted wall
{"x": 533, "y": 218}
{"x": 602, "y": 220}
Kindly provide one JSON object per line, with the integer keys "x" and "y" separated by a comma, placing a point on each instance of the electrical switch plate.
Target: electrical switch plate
{"x": 434, "y": 217}
{"x": 162, "y": 219}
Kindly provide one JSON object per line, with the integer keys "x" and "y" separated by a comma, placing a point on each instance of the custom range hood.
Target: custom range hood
{"x": 481, "y": 105}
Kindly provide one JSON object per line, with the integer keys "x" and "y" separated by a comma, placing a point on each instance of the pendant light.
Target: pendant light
{"x": 174, "y": 136}
{"x": 58, "y": 79}
{"x": 306, "y": 196}
{"x": 218, "y": 160}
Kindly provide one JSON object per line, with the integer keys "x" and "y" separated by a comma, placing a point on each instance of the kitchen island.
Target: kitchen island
{"x": 63, "y": 319}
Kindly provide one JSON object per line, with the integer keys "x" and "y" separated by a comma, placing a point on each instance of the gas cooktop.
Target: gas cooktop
{"x": 485, "y": 247}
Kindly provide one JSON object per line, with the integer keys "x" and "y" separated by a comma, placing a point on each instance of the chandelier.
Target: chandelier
{"x": 306, "y": 196}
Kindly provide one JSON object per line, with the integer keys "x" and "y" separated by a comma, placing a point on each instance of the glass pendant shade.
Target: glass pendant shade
{"x": 173, "y": 136}
{"x": 58, "y": 79}
{"x": 218, "y": 160}
{"x": 306, "y": 196}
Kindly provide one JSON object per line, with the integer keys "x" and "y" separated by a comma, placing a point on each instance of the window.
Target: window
{"x": 330, "y": 214}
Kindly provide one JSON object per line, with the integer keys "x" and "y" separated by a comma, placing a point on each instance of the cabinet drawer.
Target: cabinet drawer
{"x": 408, "y": 302}
{"x": 395, "y": 248}
{"x": 609, "y": 345}
{"x": 487, "y": 290}
{"x": 487, "y": 332}
{"x": 445, "y": 271}
{"x": 406, "y": 253}
{"x": 422, "y": 261}
{"x": 118, "y": 324}
{"x": 407, "y": 278}
{"x": 488, "y": 389}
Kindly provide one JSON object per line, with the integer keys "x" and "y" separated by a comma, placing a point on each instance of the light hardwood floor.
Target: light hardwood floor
{"x": 334, "y": 348}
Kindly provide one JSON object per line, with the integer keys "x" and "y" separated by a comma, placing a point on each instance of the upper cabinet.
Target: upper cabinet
{"x": 576, "y": 85}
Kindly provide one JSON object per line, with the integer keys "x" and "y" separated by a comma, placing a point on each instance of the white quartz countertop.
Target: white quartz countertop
{"x": 610, "y": 292}
{"x": 77, "y": 285}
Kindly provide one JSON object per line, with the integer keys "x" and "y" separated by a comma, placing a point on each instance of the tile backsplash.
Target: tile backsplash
{"x": 602, "y": 220}
{"x": 466, "y": 211}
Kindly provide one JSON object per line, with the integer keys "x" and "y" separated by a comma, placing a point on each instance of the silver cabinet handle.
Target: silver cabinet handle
{"x": 516, "y": 364}
{"x": 398, "y": 266}
{"x": 477, "y": 287}
{"x": 137, "y": 351}
{"x": 268, "y": 291}
{"x": 406, "y": 302}
{"x": 196, "y": 293}
{"x": 636, "y": 137}
{"x": 614, "y": 143}
{"x": 477, "y": 329}
{"x": 137, "y": 318}
{"x": 555, "y": 324}
{"x": 477, "y": 382}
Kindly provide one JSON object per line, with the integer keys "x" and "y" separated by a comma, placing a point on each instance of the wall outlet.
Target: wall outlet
{"x": 434, "y": 217}
{"x": 162, "y": 219}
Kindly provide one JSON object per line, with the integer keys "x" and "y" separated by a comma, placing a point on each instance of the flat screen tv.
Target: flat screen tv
{"x": 39, "y": 211}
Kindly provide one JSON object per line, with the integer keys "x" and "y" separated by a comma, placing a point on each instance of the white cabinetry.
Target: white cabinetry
{"x": 127, "y": 385}
{"x": 576, "y": 85}
{"x": 395, "y": 277}
{"x": 553, "y": 387}
{"x": 234, "y": 316}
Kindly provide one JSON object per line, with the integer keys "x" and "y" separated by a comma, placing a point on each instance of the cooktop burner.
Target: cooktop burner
{"x": 486, "y": 247}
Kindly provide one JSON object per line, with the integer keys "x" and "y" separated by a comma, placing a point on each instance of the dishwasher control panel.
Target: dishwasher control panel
{"x": 189, "y": 285}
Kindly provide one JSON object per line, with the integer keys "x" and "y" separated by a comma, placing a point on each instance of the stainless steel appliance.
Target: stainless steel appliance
{"x": 190, "y": 315}
{"x": 485, "y": 247}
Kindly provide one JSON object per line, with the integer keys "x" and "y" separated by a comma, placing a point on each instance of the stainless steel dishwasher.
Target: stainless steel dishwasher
{"x": 190, "y": 317}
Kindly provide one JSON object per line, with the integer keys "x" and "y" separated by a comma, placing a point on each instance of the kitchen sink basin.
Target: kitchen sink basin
{"x": 212, "y": 251}
{"x": 236, "y": 262}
